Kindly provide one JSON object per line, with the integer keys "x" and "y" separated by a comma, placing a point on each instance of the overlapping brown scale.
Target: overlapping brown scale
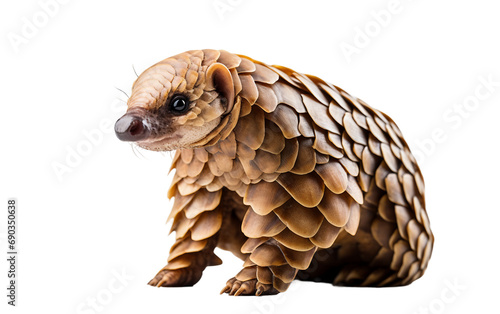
{"x": 232, "y": 183}
{"x": 187, "y": 155}
{"x": 305, "y": 125}
{"x": 285, "y": 73}
{"x": 326, "y": 235}
{"x": 337, "y": 112}
{"x": 279, "y": 285}
{"x": 319, "y": 113}
{"x": 408, "y": 259}
{"x": 246, "y": 107}
{"x": 347, "y": 144}
{"x": 374, "y": 194}
{"x": 360, "y": 119}
{"x": 251, "y": 244}
{"x": 251, "y": 169}
{"x": 257, "y": 226}
{"x": 180, "y": 202}
{"x": 395, "y": 237}
{"x": 230, "y": 60}
{"x": 267, "y": 98}
{"x": 207, "y": 225}
{"x": 236, "y": 81}
{"x": 403, "y": 217}
{"x": 389, "y": 157}
{"x": 274, "y": 142}
{"x": 268, "y": 255}
{"x": 414, "y": 230}
{"x": 267, "y": 162}
{"x": 354, "y": 190}
{"x": 182, "y": 225}
{"x": 264, "y": 74}
{"x": 303, "y": 221}
{"x": 334, "y": 176}
{"x": 250, "y": 129}
{"x": 418, "y": 207}
{"x": 206, "y": 176}
{"x": 394, "y": 136}
{"x": 355, "y": 132}
{"x": 376, "y": 131}
{"x": 407, "y": 161}
{"x": 394, "y": 190}
{"x": 323, "y": 145}
{"x": 269, "y": 177}
{"x": 386, "y": 209}
{"x": 336, "y": 140}
{"x": 182, "y": 261}
{"x": 286, "y": 94}
{"x": 265, "y": 196}
{"x": 195, "y": 167}
{"x": 422, "y": 242}
{"x": 286, "y": 119}
{"x": 370, "y": 162}
{"x": 186, "y": 189}
{"x": 336, "y": 208}
{"x": 289, "y": 155}
{"x": 247, "y": 273}
{"x": 427, "y": 255}
{"x": 400, "y": 248}
{"x": 354, "y": 218}
{"x": 381, "y": 120}
{"x": 186, "y": 246}
{"x": 293, "y": 241}
{"x": 420, "y": 182}
{"x": 210, "y": 56}
{"x": 381, "y": 174}
{"x": 264, "y": 275}
{"x": 364, "y": 181}
{"x": 305, "y": 189}
{"x": 350, "y": 166}
{"x": 296, "y": 259}
{"x": 312, "y": 87}
{"x": 383, "y": 258}
{"x": 246, "y": 66}
{"x": 355, "y": 102}
{"x": 181, "y": 168}
{"x": 409, "y": 187}
{"x": 223, "y": 162}
{"x": 249, "y": 91}
{"x": 214, "y": 167}
{"x": 382, "y": 230}
{"x": 285, "y": 273}
{"x": 374, "y": 145}
{"x": 322, "y": 159}
{"x": 306, "y": 157}
{"x": 202, "y": 201}
{"x": 395, "y": 150}
{"x": 358, "y": 150}
{"x": 228, "y": 146}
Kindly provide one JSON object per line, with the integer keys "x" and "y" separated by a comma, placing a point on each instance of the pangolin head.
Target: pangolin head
{"x": 177, "y": 102}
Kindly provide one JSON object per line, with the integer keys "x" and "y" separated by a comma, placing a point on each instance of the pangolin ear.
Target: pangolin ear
{"x": 220, "y": 79}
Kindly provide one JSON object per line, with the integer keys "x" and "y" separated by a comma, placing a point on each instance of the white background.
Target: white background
{"x": 418, "y": 61}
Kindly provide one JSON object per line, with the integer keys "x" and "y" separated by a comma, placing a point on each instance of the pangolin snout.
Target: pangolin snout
{"x": 131, "y": 128}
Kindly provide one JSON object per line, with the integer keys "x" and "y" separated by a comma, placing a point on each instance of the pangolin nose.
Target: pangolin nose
{"x": 131, "y": 128}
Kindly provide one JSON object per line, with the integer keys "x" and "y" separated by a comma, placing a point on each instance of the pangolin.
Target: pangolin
{"x": 290, "y": 173}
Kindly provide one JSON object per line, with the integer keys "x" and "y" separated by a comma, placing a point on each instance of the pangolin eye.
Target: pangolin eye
{"x": 179, "y": 104}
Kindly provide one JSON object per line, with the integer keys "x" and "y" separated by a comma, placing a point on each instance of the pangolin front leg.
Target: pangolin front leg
{"x": 268, "y": 269}
{"x": 186, "y": 269}
{"x": 197, "y": 228}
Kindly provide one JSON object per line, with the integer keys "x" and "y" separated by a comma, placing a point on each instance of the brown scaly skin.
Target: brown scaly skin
{"x": 290, "y": 173}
